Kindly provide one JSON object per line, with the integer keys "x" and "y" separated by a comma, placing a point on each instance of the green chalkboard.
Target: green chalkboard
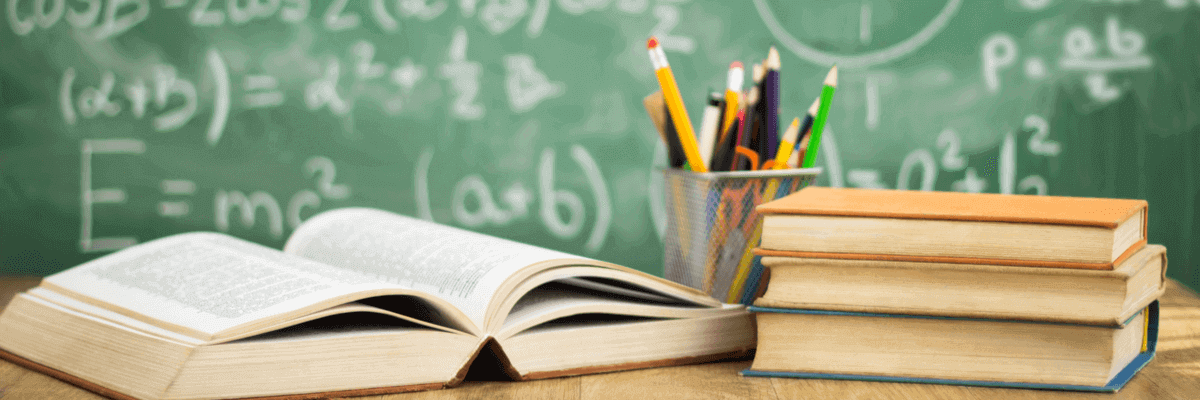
{"x": 126, "y": 120}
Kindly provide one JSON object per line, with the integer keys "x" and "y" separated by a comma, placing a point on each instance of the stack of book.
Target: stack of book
{"x": 955, "y": 288}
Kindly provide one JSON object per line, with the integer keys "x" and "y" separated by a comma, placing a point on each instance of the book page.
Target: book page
{"x": 204, "y": 283}
{"x": 462, "y": 267}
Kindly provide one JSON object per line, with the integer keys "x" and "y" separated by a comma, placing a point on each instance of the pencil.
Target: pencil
{"x": 743, "y": 268}
{"x": 683, "y": 125}
{"x": 805, "y": 129}
{"x": 758, "y": 118}
{"x": 798, "y": 154}
{"x": 654, "y": 106}
{"x": 794, "y": 160}
{"x": 790, "y": 139}
{"x": 733, "y": 94}
{"x": 674, "y": 150}
{"x": 717, "y": 234}
{"x": 745, "y": 124}
{"x": 722, "y": 157}
{"x": 709, "y": 126}
{"x": 755, "y": 233}
{"x": 814, "y": 141}
{"x": 806, "y": 126}
{"x": 771, "y": 94}
{"x": 751, "y": 130}
{"x": 785, "y": 144}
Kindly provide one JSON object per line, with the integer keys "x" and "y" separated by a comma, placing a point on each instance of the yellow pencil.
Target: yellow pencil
{"x": 788, "y": 141}
{"x": 743, "y": 269}
{"x": 683, "y": 125}
{"x": 733, "y": 94}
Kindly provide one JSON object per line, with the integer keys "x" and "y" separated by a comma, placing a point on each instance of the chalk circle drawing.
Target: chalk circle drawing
{"x": 865, "y": 60}
{"x": 1034, "y": 5}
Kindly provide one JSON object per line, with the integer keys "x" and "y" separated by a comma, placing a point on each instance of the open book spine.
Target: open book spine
{"x": 1149, "y": 348}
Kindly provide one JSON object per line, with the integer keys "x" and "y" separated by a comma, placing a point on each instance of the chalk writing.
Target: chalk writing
{"x": 526, "y": 86}
{"x": 176, "y": 187}
{"x": 464, "y": 78}
{"x": 970, "y": 183}
{"x": 1081, "y": 53}
{"x": 89, "y": 196}
{"x": 561, "y": 211}
{"x": 929, "y": 170}
{"x": 950, "y": 143}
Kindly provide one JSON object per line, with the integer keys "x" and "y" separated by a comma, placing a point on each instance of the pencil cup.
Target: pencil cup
{"x": 712, "y": 226}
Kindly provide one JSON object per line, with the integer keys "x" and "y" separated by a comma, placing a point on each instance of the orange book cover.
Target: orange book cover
{"x": 1053, "y": 210}
{"x": 1056, "y": 210}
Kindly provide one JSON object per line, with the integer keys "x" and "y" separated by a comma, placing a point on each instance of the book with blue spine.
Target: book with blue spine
{"x": 823, "y": 344}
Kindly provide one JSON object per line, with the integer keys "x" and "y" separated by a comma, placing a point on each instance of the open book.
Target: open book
{"x": 360, "y": 301}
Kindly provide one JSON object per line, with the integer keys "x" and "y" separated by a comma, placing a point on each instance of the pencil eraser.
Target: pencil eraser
{"x": 735, "y": 64}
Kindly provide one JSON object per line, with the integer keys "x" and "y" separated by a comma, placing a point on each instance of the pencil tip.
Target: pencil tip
{"x": 735, "y": 64}
{"x": 812, "y": 110}
{"x": 652, "y": 43}
{"x": 772, "y": 58}
{"x": 832, "y": 78}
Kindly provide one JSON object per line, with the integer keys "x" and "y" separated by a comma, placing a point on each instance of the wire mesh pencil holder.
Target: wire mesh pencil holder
{"x": 712, "y": 226}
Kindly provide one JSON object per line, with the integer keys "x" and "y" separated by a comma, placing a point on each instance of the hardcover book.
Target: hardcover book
{"x": 360, "y": 301}
{"x": 965, "y": 228}
{"x": 969, "y": 290}
{"x": 957, "y": 351}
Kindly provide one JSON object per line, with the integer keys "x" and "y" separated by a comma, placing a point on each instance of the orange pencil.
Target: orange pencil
{"x": 683, "y": 124}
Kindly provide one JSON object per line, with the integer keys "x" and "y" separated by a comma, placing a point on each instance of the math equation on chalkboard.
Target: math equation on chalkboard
{"x": 126, "y": 120}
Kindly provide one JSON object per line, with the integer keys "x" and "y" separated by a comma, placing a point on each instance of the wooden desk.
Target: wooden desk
{"x": 1174, "y": 374}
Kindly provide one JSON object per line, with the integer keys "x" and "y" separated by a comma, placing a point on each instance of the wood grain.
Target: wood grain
{"x": 1174, "y": 374}
{"x": 712, "y": 381}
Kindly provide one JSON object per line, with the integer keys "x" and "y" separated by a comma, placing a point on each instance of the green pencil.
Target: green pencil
{"x": 814, "y": 141}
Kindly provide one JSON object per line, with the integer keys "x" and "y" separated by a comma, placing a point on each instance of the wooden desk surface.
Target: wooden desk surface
{"x": 1174, "y": 374}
